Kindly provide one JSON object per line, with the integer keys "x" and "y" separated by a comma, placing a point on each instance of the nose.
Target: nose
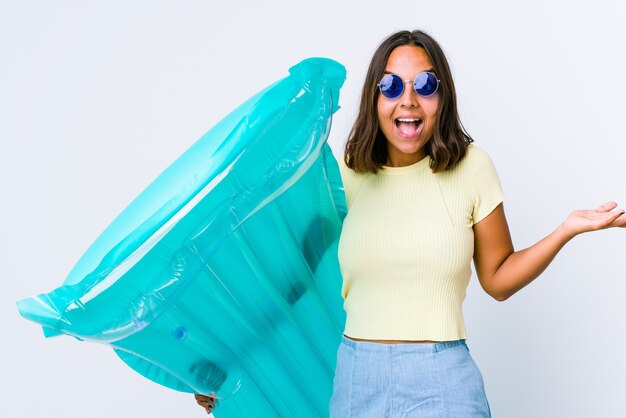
{"x": 409, "y": 97}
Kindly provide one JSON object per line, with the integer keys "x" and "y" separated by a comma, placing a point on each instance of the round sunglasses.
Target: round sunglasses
{"x": 425, "y": 84}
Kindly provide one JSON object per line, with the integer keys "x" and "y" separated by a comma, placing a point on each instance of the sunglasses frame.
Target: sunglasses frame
{"x": 409, "y": 81}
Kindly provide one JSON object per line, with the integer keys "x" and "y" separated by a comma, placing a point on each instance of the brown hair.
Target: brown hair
{"x": 366, "y": 149}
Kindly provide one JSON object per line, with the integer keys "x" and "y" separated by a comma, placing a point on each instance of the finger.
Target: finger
{"x": 620, "y": 219}
{"x": 208, "y": 406}
{"x": 606, "y": 207}
{"x": 608, "y": 219}
{"x": 205, "y": 398}
{"x": 206, "y": 403}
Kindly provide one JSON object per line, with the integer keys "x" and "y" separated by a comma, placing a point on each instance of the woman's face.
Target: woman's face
{"x": 407, "y": 121}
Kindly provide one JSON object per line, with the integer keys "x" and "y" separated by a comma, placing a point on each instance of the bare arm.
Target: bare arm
{"x": 503, "y": 271}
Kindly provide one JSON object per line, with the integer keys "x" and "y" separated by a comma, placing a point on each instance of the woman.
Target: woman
{"x": 422, "y": 202}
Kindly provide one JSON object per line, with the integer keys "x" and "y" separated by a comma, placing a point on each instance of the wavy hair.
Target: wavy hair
{"x": 366, "y": 149}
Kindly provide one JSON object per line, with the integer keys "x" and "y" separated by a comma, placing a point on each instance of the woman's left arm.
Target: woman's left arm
{"x": 503, "y": 271}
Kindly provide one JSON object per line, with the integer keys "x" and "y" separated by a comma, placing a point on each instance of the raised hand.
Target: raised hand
{"x": 604, "y": 216}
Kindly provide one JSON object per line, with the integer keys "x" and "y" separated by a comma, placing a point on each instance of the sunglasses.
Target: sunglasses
{"x": 425, "y": 84}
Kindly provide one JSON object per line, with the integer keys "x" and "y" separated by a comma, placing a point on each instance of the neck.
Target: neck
{"x": 403, "y": 161}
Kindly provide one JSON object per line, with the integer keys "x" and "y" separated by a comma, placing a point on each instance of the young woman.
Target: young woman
{"x": 422, "y": 203}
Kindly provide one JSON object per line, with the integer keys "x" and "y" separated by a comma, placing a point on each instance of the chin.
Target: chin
{"x": 413, "y": 149}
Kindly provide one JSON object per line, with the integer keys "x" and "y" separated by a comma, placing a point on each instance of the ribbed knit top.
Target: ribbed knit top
{"x": 407, "y": 243}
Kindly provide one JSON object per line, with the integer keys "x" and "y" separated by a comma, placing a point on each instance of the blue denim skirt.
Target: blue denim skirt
{"x": 425, "y": 380}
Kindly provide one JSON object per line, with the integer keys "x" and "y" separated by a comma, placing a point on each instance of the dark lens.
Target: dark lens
{"x": 426, "y": 84}
{"x": 391, "y": 86}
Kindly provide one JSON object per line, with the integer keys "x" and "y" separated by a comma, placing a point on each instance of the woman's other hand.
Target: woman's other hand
{"x": 605, "y": 216}
{"x": 206, "y": 401}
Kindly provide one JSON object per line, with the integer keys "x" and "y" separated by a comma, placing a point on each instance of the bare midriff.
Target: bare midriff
{"x": 392, "y": 341}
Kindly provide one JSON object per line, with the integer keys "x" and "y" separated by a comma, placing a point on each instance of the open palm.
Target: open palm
{"x": 602, "y": 217}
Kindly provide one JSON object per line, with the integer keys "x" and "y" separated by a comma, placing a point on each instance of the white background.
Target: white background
{"x": 97, "y": 98}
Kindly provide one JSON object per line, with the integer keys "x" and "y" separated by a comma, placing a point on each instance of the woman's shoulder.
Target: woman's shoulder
{"x": 475, "y": 154}
{"x": 475, "y": 159}
{"x": 352, "y": 181}
{"x": 481, "y": 172}
{"x": 348, "y": 175}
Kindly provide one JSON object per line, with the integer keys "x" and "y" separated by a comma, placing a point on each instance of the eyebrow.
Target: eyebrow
{"x": 432, "y": 70}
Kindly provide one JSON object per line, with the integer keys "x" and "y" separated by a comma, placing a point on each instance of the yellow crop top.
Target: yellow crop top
{"x": 406, "y": 246}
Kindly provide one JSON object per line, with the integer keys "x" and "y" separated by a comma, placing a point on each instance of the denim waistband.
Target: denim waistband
{"x": 401, "y": 347}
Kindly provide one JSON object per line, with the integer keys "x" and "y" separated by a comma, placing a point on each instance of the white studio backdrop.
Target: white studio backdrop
{"x": 97, "y": 98}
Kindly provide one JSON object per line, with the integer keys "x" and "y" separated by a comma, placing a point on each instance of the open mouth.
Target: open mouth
{"x": 408, "y": 126}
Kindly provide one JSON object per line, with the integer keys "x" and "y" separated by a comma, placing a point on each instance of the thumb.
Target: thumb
{"x": 608, "y": 206}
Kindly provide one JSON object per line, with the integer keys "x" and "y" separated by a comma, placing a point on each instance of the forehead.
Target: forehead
{"x": 408, "y": 60}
